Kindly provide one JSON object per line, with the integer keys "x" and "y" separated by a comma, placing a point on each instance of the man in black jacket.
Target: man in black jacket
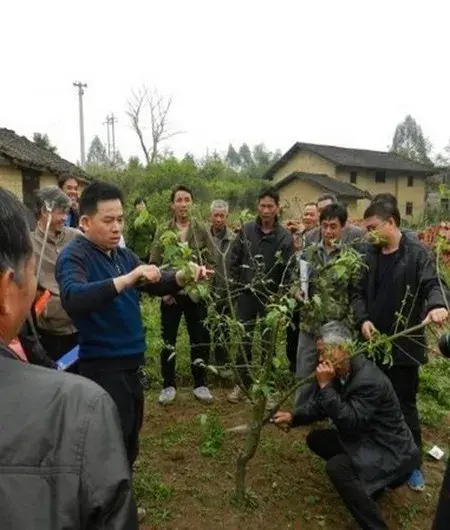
{"x": 69, "y": 185}
{"x": 261, "y": 257}
{"x": 62, "y": 456}
{"x": 370, "y": 447}
{"x": 399, "y": 285}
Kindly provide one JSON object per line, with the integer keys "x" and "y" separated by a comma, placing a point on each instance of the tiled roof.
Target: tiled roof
{"x": 326, "y": 183}
{"x": 358, "y": 158}
{"x": 26, "y": 154}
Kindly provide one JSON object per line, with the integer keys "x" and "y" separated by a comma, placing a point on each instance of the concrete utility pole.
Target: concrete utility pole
{"x": 81, "y": 87}
{"x": 108, "y": 138}
{"x": 113, "y": 120}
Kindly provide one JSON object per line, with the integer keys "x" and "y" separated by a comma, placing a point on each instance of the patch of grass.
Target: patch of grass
{"x": 152, "y": 493}
{"x": 270, "y": 446}
{"x": 408, "y": 514}
{"x": 434, "y": 391}
{"x": 174, "y": 435}
{"x": 212, "y": 435}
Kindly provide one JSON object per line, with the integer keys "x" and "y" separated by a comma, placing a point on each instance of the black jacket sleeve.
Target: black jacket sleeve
{"x": 353, "y": 413}
{"x": 289, "y": 261}
{"x": 106, "y": 489}
{"x": 431, "y": 289}
{"x": 236, "y": 256}
{"x": 33, "y": 348}
{"x": 358, "y": 296}
{"x": 308, "y": 413}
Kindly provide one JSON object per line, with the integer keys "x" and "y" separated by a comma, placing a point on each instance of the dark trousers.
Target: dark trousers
{"x": 326, "y": 444}
{"x": 405, "y": 380}
{"x": 442, "y": 519}
{"x": 248, "y": 310}
{"x": 221, "y": 340}
{"x": 126, "y": 390}
{"x": 292, "y": 333}
{"x": 58, "y": 345}
{"x": 194, "y": 315}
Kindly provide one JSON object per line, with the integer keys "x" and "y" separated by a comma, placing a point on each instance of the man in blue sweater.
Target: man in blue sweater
{"x": 98, "y": 283}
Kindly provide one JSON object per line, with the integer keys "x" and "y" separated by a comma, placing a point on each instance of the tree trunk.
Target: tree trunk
{"x": 250, "y": 446}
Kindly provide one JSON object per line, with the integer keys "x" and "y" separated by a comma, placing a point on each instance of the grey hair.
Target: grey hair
{"x": 219, "y": 204}
{"x": 51, "y": 195}
{"x": 335, "y": 333}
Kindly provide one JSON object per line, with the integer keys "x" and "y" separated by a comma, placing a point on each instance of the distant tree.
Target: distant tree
{"x": 232, "y": 157}
{"x": 443, "y": 159}
{"x": 118, "y": 161}
{"x": 134, "y": 163}
{"x": 245, "y": 156}
{"x": 97, "y": 153}
{"x": 189, "y": 157}
{"x": 148, "y": 109}
{"x": 43, "y": 141}
{"x": 409, "y": 141}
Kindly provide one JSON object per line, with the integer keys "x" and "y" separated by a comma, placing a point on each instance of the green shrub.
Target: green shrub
{"x": 434, "y": 391}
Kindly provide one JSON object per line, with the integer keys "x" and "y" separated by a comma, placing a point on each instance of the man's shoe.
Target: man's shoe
{"x": 235, "y": 395}
{"x": 167, "y": 395}
{"x": 141, "y": 513}
{"x": 416, "y": 481}
{"x": 203, "y": 394}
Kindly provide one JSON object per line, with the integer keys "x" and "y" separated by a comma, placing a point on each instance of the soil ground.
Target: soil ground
{"x": 183, "y": 489}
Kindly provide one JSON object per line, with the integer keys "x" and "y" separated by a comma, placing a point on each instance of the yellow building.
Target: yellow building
{"x": 354, "y": 175}
{"x": 26, "y": 167}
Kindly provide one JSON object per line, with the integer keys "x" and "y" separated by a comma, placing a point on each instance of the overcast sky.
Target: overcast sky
{"x": 338, "y": 72}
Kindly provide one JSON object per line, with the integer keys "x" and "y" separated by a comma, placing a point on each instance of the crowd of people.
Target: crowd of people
{"x": 82, "y": 433}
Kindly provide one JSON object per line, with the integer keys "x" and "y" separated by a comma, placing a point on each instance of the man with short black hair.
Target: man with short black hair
{"x": 332, "y": 290}
{"x": 99, "y": 284}
{"x": 61, "y": 450}
{"x": 325, "y": 200}
{"x": 389, "y": 198}
{"x": 399, "y": 284}
{"x": 352, "y": 234}
{"x": 57, "y": 332}
{"x": 69, "y": 185}
{"x": 195, "y": 234}
{"x": 262, "y": 258}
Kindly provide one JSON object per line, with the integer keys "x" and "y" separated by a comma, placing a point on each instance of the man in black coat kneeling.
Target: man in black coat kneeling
{"x": 370, "y": 446}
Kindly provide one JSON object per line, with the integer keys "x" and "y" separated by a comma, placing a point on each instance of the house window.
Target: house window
{"x": 409, "y": 208}
{"x": 380, "y": 176}
{"x": 410, "y": 181}
{"x": 353, "y": 177}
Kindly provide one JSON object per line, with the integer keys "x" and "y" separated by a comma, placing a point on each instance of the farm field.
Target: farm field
{"x": 181, "y": 488}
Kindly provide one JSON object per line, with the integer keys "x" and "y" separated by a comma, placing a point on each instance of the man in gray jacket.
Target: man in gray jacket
{"x": 222, "y": 238}
{"x": 61, "y": 451}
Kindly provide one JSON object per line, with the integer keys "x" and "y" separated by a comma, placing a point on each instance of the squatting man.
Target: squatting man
{"x": 369, "y": 447}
